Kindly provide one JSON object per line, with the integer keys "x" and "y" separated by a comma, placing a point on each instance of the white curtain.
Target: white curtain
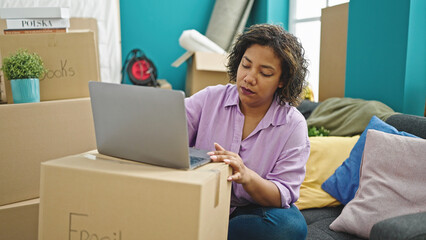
{"x": 106, "y": 12}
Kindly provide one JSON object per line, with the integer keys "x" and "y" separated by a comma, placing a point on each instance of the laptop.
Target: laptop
{"x": 143, "y": 124}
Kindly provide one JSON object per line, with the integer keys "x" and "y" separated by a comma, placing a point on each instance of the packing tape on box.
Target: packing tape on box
{"x": 106, "y": 158}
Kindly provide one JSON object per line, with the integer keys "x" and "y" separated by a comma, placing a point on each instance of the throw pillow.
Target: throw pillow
{"x": 392, "y": 183}
{"x": 343, "y": 184}
{"x": 327, "y": 153}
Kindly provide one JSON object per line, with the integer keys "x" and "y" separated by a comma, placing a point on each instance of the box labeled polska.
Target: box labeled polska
{"x": 71, "y": 58}
{"x": 93, "y": 196}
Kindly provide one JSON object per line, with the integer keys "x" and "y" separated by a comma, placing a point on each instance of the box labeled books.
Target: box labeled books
{"x": 69, "y": 71}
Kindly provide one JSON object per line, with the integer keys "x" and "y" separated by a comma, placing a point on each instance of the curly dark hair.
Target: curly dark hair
{"x": 286, "y": 47}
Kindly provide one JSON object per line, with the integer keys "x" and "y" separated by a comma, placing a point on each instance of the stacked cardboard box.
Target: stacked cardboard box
{"x": 36, "y": 132}
{"x": 93, "y": 196}
{"x": 58, "y": 126}
{"x": 19, "y": 221}
{"x": 69, "y": 71}
{"x": 62, "y": 125}
{"x": 30, "y": 134}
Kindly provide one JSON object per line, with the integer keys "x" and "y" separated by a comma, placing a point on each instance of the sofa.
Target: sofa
{"x": 406, "y": 226}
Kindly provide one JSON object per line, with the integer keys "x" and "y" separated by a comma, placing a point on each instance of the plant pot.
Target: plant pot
{"x": 25, "y": 90}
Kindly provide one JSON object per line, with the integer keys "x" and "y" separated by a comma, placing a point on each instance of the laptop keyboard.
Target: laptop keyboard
{"x": 198, "y": 157}
{"x": 195, "y": 160}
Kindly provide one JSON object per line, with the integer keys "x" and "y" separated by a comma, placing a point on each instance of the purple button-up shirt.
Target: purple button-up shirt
{"x": 277, "y": 149}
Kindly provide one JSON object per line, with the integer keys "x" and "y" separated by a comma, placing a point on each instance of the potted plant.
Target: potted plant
{"x": 24, "y": 69}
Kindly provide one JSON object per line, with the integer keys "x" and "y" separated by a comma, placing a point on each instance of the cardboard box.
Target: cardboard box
{"x": 72, "y": 60}
{"x": 334, "y": 29}
{"x": 35, "y": 132}
{"x": 76, "y": 24}
{"x": 19, "y": 221}
{"x": 205, "y": 69}
{"x": 3, "y": 98}
{"x": 164, "y": 84}
{"x": 92, "y": 196}
{"x": 88, "y": 24}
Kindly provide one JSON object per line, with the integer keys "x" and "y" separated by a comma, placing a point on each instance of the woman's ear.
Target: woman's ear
{"x": 281, "y": 84}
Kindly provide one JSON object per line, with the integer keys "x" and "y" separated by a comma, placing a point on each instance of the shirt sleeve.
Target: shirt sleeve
{"x": 194, "y": 106}
{"x": 289, "y": 170}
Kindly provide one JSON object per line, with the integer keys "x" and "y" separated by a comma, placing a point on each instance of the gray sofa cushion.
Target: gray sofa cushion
{"x": 408, "y": 227}
{"x": 313, "y": 215}
{"x": 319, "y": 220}
{"x": 306, "y": 107}
{"x": 409, "y": 123}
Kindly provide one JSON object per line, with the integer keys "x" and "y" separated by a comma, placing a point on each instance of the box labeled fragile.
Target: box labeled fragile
{"x": 93, "y": 196}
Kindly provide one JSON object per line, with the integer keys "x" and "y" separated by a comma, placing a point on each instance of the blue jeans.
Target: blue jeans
{"x": 257, "y": 222}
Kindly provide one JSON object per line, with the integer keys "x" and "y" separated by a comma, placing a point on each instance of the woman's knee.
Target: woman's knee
{"x": 289, "y": 223}
{"x": 271, "y": 223}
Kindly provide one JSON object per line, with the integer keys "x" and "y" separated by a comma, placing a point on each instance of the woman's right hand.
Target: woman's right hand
{"x": 240, "y": 173}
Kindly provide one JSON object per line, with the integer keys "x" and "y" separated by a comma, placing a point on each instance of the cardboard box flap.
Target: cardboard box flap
{"x": 208, "y": 61}
{"x": 182, "y": 58}
{"x": 21, "y": 204}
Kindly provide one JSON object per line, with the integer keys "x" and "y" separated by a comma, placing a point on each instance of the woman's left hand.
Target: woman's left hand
{"x": 240, "y": 173}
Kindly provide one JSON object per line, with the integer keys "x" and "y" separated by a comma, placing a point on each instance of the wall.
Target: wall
{"x": 415, "y": 74}
{"x": 270, "y": 11}
{"x": 384, "y": 58}
{"x": 155, "y": 28}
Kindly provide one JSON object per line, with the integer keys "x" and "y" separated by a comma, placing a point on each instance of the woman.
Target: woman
{"x": 255, "y": 128}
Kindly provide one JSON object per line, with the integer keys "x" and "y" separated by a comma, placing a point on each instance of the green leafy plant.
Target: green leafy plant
{"x": 318, "y": 132}
{"x": 23, "y": 64}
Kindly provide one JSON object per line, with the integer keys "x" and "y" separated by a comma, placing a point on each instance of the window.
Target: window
{"x": 305, "y": 24}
